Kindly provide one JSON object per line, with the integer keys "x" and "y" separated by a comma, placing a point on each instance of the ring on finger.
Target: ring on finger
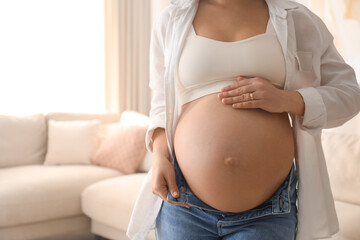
{"x": 251, "y": 97}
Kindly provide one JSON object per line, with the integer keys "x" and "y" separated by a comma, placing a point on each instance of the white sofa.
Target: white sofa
{"x": 342, "y": 152}
{"x": 38, "y": 201}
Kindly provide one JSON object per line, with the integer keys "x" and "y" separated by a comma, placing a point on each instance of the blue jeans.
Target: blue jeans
{"x": 274, "y": 219}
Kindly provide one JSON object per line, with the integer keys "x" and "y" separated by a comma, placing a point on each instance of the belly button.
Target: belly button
{"x": 229, "y": 161}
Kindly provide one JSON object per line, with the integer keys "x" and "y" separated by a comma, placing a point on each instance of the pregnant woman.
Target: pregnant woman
{"x": 233, "y": 160}
{"x": 237, "y": 108}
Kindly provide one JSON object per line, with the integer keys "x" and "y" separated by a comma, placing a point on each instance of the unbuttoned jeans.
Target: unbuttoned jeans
{"x": 274, "y": 219}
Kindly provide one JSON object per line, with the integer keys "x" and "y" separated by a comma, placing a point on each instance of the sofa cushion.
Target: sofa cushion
{"x": 111, "y": 201}
{"x": 349, "y": 219}
{"x": 36, "y": 192}
{"x": 342, "y": 154}
{"x": 104, "y": 118}
{"x": 22, "y": 140}
{"x": 71, "y": 142}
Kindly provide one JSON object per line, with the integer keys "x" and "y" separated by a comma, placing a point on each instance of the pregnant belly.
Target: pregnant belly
{"x": 232, "y": 159}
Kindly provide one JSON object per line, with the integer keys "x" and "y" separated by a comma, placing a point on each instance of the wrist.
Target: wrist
{"x": 163, "y": 152}
{"x": 294, "y": 103}
{"x": 160, "y": 147}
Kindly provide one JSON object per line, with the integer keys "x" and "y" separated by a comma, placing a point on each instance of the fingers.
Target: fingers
{"x": 161, "y": 190}
{"x": 173, "y": 189}
{"x": 237, "y": 91}
{"x": 171, "y": 183}
{"x": 231, "y": 100}
{"x": 264, "y": 94}
{"x": 243, "y": 82}
{"x": 164, "y": 181}
{"x": 249, "y": 104}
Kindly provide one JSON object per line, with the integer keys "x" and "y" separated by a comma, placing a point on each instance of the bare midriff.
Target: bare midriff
{"x": 232, "y": 159}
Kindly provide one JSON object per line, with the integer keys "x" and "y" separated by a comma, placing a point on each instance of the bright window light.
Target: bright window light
{"x": 51, "y": 56}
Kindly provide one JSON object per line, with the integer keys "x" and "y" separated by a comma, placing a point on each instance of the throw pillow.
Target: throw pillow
{"x": 22, "y": 139}
{"x": 122, "y": 149}
{"x": 71, "y": 142}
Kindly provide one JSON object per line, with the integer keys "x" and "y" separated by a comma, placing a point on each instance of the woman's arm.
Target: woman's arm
{"x": 160, "y": 143}
{"x": 336, "y": 100}
{"x": 294, "y": 103}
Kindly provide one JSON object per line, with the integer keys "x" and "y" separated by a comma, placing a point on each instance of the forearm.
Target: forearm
{"x": 294, "y": 103}
{"x": 160, "y": 142}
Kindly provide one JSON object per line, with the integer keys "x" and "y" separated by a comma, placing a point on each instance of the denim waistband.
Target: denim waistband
{"x": 280, "y": 200}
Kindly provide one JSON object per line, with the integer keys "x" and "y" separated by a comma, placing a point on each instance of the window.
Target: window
{"x": 51, "y": 56}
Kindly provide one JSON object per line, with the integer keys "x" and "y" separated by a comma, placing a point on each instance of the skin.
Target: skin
{"x": 229, "y": 20}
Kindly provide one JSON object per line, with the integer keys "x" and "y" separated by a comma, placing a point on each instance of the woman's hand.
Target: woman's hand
{"x": 163, "y": 177}
{"x": 265, "y": 95}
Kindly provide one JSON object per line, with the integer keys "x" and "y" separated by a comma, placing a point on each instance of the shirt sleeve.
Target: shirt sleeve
{"x": 157, "y": 112}
{"x": 336, "y": 100}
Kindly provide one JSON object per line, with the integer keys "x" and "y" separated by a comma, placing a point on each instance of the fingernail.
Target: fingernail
{"x": 174, "y": 194}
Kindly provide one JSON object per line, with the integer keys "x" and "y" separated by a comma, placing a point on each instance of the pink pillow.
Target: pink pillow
{"x": 123, "y": 148}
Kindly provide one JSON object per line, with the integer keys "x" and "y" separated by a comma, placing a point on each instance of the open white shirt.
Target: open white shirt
{"x": 314, "y": 68}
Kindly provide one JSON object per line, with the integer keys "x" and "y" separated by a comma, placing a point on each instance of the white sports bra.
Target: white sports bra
{"x": 207, "y": 65}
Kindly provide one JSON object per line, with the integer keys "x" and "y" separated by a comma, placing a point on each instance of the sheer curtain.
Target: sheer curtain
{"x": 127, "y": 39}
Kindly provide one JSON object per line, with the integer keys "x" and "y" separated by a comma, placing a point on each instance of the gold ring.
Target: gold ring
{"x": 251, "y": 97}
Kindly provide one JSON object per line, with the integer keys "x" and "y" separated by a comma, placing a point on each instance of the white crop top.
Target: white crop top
{"x": 207, "y": 65}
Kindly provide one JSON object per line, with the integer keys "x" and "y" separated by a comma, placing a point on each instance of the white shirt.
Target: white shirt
{"x": 314, "y": 68}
